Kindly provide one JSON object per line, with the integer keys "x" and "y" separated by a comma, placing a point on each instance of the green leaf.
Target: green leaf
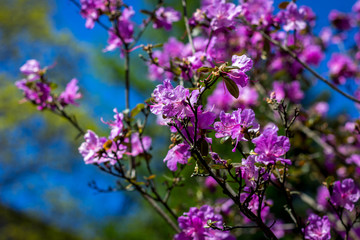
{"x": 283, "y": 5}
{"x": 204, "y": 69}
{"x": 232, "y": 87}
{"x": 135, "y": 111}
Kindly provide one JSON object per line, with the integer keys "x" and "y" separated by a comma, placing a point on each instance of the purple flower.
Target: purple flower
{"x": 138, "y": 146}
{"x": 170, "y": 101}
{"x": 294, "y": 18}
{"x": 292, "y": 91}
{"x": 250, "y": 172}
{"x": 244, "y": 64}
{"x": 36, "y": 92}
{"x": 125, "y": 30}
{"x": 318, "y": 228}
{"x": 91, "y": 147}
{"x": 340, "y": 21}
{"x": 194, "y": 225}
{"x": 341, "y": 67}
{"x": 178, "y": 154}
{"x": 312, "y": 54}
{"x": 222, "y": 14}
{"x": 257, "y": 12}
{"x": 116, "y": 125}
{"x": 236, "y": 125}
{"x": 321, "y": 108}
{"x": 31, "y": 69}
{"x": 91, "y": 10}
{"x": 345, "y": 194}
{"x": 270, "y": 147}
{"x": 354, "y": 159}
{"x": 70, "y": 94}
{"x": 164, "y": 17}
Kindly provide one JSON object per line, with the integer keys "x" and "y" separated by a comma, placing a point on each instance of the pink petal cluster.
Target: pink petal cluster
{"x": 291, "y": 91}
{"x": 164, "y": 17}
{"x": 318, "y": 228}
{"x": 345, "y": 194}
{"x": 96, "y": 150}
{"x": 70, "y": 94}
{"x": 270, "y": 147}
{"x": 236, "y": 124}
{"x": 222, "y": 14}
{"x": 257, "y": 12}
{"x": 341, "y": 67}
{"x": 178, "y": 154}
{"x": 293, "y": 18}
{"x": 194, "y": 225}
{"x": 243, "y": 64}
{"x": 124, "y": 33}
{"x": 170, "y": 101}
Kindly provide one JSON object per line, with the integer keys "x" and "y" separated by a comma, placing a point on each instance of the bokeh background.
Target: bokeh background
{"x": 44, "y": 184}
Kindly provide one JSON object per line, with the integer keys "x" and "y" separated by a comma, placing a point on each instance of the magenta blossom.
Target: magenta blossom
{"x": 243, "y": 64}
{"x": 318, "y": 228}
{"x": 116, "y": 125}
{"x": 341, "y": 67}
{"x": 340, "y": 21}
{"x": 345, "y": 194}
{"x": 236, "y": 125}
{"x": 91, "y": 10}
{"x": 194, "y": 225}
{"x": 139, "y": 145}
{"x": 36, "y": 92}
{"x": 164, "y": 17}
{"x": 293, "y": 17}
{"x": 257, "y": 12}
{"x": 178, "y": 154}
{"x": 70, "y": 94}
{"x": 171, "y": 102}
{"x": 270, "y": 147}
{"x": 125, "y": 30}
{"x": 222, "y": 14}
{"x": 91, "y": 147}
{"x": 291, "y": 90}
{"x": 31, "y": 69}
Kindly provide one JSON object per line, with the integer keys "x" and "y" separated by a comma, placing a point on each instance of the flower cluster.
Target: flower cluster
{"x": 37, "y": 89}
{"x": 194, "y": 225}
{"x": 318, "y": 228}
{"x": 96, "y": 150}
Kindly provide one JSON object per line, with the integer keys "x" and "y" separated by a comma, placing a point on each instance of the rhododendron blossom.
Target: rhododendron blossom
{"x": 318, "y": 228}
{"x": 236, "y": 125}
{"x": 194, "y": 225}
{"x": 270, "y": 147}
{"x": 345, "y": 194}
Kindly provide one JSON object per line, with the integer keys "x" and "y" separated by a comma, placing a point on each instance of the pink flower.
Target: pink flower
{"x": 70, "y": 94}
{"x": 178, "y": 154}
{"x": 345, "y": 194}
{"x": 244, "y": 64}
{"x": 341, "y": 67}
{"x": 31, "y": 69}
{"x": 164, "y": 17}
{"x": 194, "y": 225}
{"x": 270, "y": 147}
{"x": 236, "y": 124}
{"x": 293, "y": 18}
{"x": 318, "y": 228}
